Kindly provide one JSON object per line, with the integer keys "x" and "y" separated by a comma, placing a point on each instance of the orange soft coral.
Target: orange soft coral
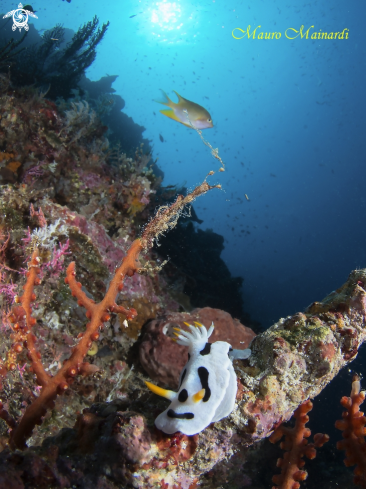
{"x": 297, "y": 446}
{"x": 353, "y": 431}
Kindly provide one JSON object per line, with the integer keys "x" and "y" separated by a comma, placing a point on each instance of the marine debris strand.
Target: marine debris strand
{"x": 166, "y": 217}
{"x": 214, "y": 151}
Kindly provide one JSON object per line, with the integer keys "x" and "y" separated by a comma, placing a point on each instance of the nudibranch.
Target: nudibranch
{"x": 207, "y": 383}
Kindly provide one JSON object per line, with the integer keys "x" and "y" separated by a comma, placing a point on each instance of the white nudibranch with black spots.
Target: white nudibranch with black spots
{"x": 207, "y": 384}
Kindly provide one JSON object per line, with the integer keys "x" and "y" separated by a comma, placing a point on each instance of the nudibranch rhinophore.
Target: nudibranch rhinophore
{"x": 207, "y": 383}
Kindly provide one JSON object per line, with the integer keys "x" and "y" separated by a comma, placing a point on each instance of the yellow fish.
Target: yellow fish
{"x": 186, "y": 112}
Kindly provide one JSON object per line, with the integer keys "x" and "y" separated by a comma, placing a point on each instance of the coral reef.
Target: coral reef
{"x": 98, "y": 313}
{"x": 63, "y": 150}
{"x": 56, "y": 156}
{"x": 58, "y": 319}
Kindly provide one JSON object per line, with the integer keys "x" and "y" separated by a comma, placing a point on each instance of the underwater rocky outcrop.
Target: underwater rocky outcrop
{"x": 63, "y": 148}
{"x": 123, "y": 131}
{"x": 115, "y": 444}
{"x": 64, "y": 188}
{"x": 55, "y": 63}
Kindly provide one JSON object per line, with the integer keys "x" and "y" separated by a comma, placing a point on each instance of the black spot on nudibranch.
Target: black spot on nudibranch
{"x": 203, "y": 375}
{"x": 183, "y": 395}
{"x": 181, "y": 380}
{"x": 206, "y": 350}
{"x": 173, "y": 414}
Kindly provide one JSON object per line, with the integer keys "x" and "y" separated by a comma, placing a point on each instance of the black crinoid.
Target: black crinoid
{"x": 52, "y": 63}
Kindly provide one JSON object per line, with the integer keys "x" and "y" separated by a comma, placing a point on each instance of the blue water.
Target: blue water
{"x": 289, "y": 122}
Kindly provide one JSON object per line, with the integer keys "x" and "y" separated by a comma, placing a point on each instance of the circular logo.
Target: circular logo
{"x": 20, "y": 19}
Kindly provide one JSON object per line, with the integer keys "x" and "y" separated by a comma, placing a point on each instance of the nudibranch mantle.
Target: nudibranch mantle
{"x": 207, "y": 383}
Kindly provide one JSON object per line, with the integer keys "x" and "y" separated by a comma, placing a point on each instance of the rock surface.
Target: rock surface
{"x": 163, "y": 359}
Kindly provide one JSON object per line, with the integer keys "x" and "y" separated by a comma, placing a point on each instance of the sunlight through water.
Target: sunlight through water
{"x": 169, "y": 19}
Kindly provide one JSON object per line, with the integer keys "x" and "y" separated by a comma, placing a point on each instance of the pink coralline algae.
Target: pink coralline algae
{"x": 163, "y": 359}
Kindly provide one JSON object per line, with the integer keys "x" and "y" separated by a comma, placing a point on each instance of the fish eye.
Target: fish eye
{"x": 209, "y": 120}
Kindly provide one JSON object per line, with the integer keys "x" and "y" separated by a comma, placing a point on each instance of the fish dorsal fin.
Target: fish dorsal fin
{"x": 167, "y": 102}
{"x": 180, "y": 99}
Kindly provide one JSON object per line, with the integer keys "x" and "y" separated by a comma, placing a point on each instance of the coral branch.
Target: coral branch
{"x": 353, "y": 431}
{"x": 23, "y": 322}
{"x": 98, "y": 314}
{"x": 7, "y": 51}
{"x": 297, "y": 447}
{"x": 26, "y": 299}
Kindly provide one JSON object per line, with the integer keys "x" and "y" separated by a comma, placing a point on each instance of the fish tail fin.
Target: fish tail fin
{"x": 167, "y": 100}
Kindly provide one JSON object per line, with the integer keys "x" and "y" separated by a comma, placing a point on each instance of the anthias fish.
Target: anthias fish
{"x": 186, "y": 112}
